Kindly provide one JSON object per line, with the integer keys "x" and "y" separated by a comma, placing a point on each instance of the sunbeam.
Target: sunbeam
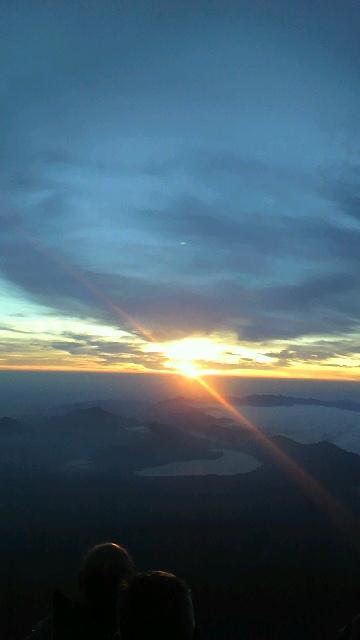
{"x": 318, "y": 494}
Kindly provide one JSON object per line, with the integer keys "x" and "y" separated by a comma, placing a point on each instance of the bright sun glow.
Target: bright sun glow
{"x": 189, "y": 349}
{"x": 223, "y": 354}
{"x": 188, "y": 369}
{"x": 204, "y": 355}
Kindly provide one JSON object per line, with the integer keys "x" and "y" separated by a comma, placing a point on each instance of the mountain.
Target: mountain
{"x": 96, "y": 416}
{"x": 92, "y": 413}
{"x": 92, "y": 440}
{"x": 182, "y": 441}
{"x": 10, "y": 426}
{"x": 269, "y": 400}
{"x": 323, "y": 461}
{"x": 116, "y": 405}
{"x": 184, "y": 414}
{"x": 246, "y": 543}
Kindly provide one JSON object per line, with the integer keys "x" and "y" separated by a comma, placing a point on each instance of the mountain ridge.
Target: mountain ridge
{"x": 274, "y": 400}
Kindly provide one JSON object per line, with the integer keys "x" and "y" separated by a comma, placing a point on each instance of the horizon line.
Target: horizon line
{"x": 214, "y": 374}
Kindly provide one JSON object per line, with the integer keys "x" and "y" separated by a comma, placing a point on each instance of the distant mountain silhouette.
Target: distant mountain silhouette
{"x": 182, "y": 442}
{"x": 94, "y": 420}
{"x": 178, "y": 402}
{"x": 10, "y": 425}
{"x": 117, "y": 406}
{"x": 93, "y": 411}
{"x": 185, "y": 413}
{"x": 174, "y": 430}
{"x": 75, "y": 406}
{"x": 269, "y": 400}
{"x": 323, "y": 460}
{"x": 93, "y": 414}
{"x": 93, "y": 439}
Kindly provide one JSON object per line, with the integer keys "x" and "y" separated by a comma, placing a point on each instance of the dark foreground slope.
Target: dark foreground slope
{"x": 263, "y": 558}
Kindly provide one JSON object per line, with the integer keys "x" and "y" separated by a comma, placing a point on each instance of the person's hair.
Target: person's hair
{"x": 157, "y": 605}
{"x": 103, "y": 569}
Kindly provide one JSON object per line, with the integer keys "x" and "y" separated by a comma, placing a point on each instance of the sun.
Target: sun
{"x": 191, "y": 357}
{"x": 189, "y": 370}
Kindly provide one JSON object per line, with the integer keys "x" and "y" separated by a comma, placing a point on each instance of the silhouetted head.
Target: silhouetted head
{"x": 156, "y": 605}
{"x": 103, "y": 569}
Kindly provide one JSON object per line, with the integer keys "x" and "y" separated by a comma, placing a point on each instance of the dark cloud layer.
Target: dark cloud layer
{"x": 328, "y": 304}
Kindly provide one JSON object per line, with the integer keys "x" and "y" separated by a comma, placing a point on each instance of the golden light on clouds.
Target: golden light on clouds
{"x": 37, "y": 339}
{"x": 211, "y": 354}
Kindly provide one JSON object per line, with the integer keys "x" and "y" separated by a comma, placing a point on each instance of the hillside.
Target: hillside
{"x": 245, "y": 542}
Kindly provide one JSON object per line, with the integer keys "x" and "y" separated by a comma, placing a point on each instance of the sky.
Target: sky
{"x": 180, "y": 187}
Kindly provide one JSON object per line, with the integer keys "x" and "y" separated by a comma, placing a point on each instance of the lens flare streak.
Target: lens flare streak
{"x": 315, "y": 490}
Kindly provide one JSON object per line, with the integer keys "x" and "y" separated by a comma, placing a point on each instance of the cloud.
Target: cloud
{"x": 107, "y": 352}
{"x": 192, "y": 219}
{"x": 342, "y": 187}
{"x": 317, "y": 351}
{"x": 7, "y": 328}
{"x": 327, "y": 304}
{"x": 347, "y": 197}
{"x": 257, "y": 310}
{"x": 50, "y": 279}
{"x": 129, "y": 144}
{"x": 233, "y": 231}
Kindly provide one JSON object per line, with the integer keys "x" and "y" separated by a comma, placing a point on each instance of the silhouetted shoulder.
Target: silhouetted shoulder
{"x": 158, "y": 605}
{"x": 351, "y": 631}
{"x": 43, "y": 630}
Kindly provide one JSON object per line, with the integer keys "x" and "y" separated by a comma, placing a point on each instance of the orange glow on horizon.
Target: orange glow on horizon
{"x": 293, "y": 374}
